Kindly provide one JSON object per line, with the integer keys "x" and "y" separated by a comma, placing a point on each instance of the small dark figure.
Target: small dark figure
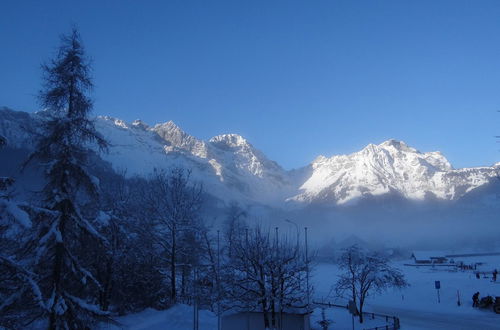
{"x": 495, "y": 272}
{"x": 475, "y": 300}
{"x": 477, "y": 276}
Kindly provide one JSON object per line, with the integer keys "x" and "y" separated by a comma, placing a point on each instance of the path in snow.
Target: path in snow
{"x": 413, "y": 320}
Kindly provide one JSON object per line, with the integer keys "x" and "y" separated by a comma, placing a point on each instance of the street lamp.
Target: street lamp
{"x": 306, "y": 260}
{"x": 307, "y": 271}
{"x": 296, "y": 229}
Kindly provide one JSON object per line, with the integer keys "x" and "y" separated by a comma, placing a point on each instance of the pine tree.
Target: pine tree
{"x": 19, "y": 292}
{"x": 65, "y": 280}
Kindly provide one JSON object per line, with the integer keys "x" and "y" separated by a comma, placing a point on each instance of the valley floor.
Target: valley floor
{"x": 416, "y": 306}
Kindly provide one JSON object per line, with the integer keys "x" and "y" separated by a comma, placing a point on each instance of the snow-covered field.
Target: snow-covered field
{"x": 179, "y": 317}
{"x": 416, "y": 306}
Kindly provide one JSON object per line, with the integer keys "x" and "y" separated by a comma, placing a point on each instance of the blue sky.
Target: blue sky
{"x": 296, "y": 78}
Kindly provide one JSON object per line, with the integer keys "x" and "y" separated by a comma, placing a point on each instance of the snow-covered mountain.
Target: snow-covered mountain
{"x": 227, "y": 165}
{"x": 390, "y": 167}
{"x": 230, "y": 168}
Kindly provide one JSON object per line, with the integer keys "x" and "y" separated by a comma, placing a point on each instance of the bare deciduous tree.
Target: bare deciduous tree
{"x": 266, "y": 274}
{"x": 234, "y": 225}
{"x": 174, "y": 201}
{"x": 128, "y": 264}
{"x": 365, "y": 274}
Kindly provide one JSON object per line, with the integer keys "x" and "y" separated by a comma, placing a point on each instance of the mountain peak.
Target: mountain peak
{"x": 319, "y": 159}
{"x": 169, "y": 125}
{"x": 394, "y": 143}
{"x": 169, "y": 130}
{"x": 116, "y": 121}
{"x": 398, "y": 145}
{"x": 177, "y": 138}
{"x": 230, "y": 140}
{"x": 140, "y": 124}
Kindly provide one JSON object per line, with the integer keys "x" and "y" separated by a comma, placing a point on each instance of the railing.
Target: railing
{"x": 329, "y": 304}
{"x": 392, "y": 321}
{"x": 387, "y": 327}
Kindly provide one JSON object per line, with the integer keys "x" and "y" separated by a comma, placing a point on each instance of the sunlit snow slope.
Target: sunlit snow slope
{"x": 390, "y": 167}
{"x": 230, "y": 168}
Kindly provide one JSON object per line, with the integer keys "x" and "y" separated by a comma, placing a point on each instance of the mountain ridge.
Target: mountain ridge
{"x": 388, "y": 167}
{"x": 232, "y": 168}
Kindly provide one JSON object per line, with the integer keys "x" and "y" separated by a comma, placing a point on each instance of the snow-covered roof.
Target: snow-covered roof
{"x": 428, "y": 255}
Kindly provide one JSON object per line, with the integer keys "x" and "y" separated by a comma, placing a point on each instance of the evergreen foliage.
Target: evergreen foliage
{"x": 61, "y": 239}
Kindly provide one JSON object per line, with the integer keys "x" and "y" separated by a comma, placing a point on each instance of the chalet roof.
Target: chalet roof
{"x": 428, "y": 255}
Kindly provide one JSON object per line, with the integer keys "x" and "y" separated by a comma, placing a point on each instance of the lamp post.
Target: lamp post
{"x": 307, "y": 270}
{"x": 246, "y": 270}
{"x": 277, "y": 256}
{"x": 296, "y": 229}
{"x": 195, "y": 303}
{"x": 196, "y": 284}
{"x": 218, "y": 282}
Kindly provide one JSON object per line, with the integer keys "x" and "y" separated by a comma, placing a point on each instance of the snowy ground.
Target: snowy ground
{"x": 179, "y": 317}
{"x": 341, "y": 319}
{"x": 416, "y": 306}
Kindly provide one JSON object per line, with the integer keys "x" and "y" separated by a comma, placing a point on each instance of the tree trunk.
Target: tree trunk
{"x": 173, "y": 295}
{"x": 56, "y": 284}
{"x": 273, "y": 314}
{"x": 58, "y": 265}
{"x": 107, "y": 285}
{"x": 361, "y": 303}
{"x": 183, "y": 284}
{"x": 264, "y": 313}
{"x": 266, "y": 320}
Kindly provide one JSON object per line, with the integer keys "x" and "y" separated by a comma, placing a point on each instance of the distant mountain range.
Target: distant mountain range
{"x": 231, "y": 168}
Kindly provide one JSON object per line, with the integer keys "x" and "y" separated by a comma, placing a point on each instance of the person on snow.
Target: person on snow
{"x": 475, "y": 300}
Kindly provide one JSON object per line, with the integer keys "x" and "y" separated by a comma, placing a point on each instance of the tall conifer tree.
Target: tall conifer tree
{"x": 65, "y": 280}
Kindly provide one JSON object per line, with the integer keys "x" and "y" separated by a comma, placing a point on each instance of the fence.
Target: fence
{"x": 392, "y": 322}
{"x": 387, "y": 327}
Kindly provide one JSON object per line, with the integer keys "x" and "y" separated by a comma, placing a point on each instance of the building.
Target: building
{"x": 255, "y": 321}
{"x": 429, "y": 257}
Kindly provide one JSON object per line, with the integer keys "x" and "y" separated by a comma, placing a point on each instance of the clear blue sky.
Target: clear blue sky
{"x": 296, "y": 78}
